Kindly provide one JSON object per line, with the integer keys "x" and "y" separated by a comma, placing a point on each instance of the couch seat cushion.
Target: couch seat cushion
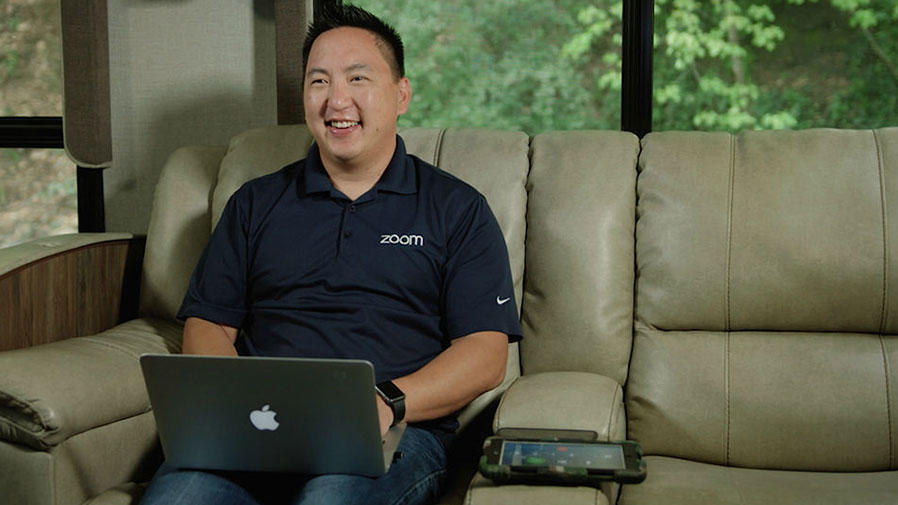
{"x": 680, "y": 482}
{"x": 484, "y": 492}
{"x": 124, "y": 494}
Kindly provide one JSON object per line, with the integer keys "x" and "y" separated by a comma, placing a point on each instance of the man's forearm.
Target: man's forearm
{"x": 206, "y": 337}
{"x": 472, "y": 365}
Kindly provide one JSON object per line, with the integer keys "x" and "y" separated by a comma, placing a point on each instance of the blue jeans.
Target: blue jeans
{"x": 417, "y": 478}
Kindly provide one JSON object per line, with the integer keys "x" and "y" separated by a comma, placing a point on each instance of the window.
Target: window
{"x": 37, "y": 197}
{"x": 37, "y": 186}
{"x": 530, "y": 65}
{"x": 770, "y": 64}
{"x": 30, "y": 55}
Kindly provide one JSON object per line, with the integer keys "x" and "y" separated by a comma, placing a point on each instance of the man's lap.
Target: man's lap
{"x": 416, "y": 478}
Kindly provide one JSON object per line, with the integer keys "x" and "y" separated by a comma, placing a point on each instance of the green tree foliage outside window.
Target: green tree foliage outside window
{"x": 728, "y": 65}
{"x": 30, "y": 54}
{"x": 733, "y": 65}
{"x": 497, "y": 64}
{"x": 37, "y": 186}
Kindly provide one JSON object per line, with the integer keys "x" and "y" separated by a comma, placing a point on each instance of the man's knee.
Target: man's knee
{"x": 336, "y": 489}
{"x": 171, "y": 486}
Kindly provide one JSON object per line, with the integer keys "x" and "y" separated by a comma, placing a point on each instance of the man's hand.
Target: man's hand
{"x": 384, "y": 414}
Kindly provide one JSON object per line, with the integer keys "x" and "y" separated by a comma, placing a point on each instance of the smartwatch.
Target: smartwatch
{"x": 395, "y": 399}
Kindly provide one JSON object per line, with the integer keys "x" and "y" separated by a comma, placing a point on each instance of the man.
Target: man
{"x": 357, "y": 251}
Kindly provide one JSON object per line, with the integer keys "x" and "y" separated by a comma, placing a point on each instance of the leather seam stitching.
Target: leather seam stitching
{"x": 438, "y": 148}
{"x": 499, "y": 419}
{"x": 729, "y": 232}
{"x": 885, "y": 365}
{"x": 53, "y": 472}
{"x": 885, "y": 237}
{"x": 611, "y": 413}
{"x": 885, "y": 293}
{"x": 727, "y": 315}
{"x": 726, "y": 379}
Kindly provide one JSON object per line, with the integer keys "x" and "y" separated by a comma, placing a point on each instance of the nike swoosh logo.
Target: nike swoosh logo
{"x": 502, "y": 301}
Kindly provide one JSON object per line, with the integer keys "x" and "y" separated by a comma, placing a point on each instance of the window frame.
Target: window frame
{"x": 45, "y": 132}
{"x": 636, "y": 71}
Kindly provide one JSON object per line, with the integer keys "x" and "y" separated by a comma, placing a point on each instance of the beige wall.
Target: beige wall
{"x": 181, "y": 72}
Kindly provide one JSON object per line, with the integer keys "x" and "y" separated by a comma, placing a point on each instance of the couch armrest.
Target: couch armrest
{"x": 564, "y": 400}
{"x": 19, "y": 255}
{"x": 556, "y": 400}
{"x": 52, "y": 392}
{"x": 60, "y": 287}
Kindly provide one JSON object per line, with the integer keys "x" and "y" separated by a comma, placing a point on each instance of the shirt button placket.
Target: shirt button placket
{"x": 347, "y": 228}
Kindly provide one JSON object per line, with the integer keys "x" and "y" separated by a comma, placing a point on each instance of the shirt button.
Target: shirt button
{"x": 352, "y": 208}
{"x": 347, "y": 234}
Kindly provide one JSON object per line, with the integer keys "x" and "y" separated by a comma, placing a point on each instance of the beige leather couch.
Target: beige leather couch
{"x": 724, "y": 300}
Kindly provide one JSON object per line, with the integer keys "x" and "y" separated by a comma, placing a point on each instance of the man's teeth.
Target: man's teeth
{"x": 343, "y": 124}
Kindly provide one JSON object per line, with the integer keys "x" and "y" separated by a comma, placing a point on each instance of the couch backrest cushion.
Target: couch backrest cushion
{"x": 178, "y": 228}
{"x": 255, "y": 153}
{"x": 578, "y": 298}
{"x": 766, "y": 322}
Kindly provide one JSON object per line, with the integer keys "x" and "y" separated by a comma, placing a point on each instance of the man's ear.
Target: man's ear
{"x": 405, "y": 94}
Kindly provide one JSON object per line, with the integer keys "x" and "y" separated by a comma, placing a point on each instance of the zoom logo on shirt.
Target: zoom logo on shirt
{"x": 410, "y": 240}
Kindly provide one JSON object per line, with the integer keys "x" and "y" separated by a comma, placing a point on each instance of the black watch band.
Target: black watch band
{"x": 395, "y": 398}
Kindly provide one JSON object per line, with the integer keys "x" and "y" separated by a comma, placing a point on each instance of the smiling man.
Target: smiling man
{"x": 353, "y": 95}
{"x": 357, "y": 251}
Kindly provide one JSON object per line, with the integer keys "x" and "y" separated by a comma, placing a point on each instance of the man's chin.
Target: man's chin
{"x": 343, "y": 156}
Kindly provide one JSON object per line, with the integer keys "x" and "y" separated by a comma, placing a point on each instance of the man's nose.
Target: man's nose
{"x": 338, "y": 96}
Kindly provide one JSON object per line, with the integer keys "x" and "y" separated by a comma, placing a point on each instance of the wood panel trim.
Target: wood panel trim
{"x": 77, "y": 292}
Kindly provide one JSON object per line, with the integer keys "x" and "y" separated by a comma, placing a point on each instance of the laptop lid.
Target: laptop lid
{"x": 293, "y": 415}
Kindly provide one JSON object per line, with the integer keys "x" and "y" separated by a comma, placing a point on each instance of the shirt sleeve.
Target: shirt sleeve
{"x": 478, "y": 288}
{"x": 217, "y": 289}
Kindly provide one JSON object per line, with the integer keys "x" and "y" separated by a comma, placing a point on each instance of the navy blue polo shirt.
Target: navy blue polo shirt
{"x": 391, "y": 277}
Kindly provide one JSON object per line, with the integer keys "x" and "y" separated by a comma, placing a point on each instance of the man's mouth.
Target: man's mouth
{"x": 342, "y": 124}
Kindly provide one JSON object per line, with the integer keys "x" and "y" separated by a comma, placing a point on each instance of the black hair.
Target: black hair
{"x": 339, "y": 15}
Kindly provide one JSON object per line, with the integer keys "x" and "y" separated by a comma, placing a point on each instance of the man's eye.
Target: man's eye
{"x": 318, "y": 81}
{"x": 357, "y": 78}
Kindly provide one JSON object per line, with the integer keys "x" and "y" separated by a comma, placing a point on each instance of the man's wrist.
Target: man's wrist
{"x": 384, "y": 409}
{"x": 394, "y": 398}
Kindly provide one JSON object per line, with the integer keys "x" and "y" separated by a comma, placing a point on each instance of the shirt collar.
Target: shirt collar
{"x": 399, "y": 177}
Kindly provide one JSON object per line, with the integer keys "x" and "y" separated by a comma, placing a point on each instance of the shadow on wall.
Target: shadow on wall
{"x": 131, "y": 183}
{"x": 184, "y": 72}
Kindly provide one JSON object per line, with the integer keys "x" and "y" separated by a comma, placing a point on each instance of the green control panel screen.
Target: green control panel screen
{"x": 595, "y": 456}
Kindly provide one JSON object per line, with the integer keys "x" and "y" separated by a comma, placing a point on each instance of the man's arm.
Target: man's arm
{"x": 470, "y": 366}
{"x": 206, "y": 337}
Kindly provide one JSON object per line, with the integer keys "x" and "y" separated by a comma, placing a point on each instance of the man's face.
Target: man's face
{"x": 352, "y": 99}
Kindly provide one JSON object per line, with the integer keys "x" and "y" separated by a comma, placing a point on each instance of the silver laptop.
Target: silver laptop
{"x": 292, "y": 415}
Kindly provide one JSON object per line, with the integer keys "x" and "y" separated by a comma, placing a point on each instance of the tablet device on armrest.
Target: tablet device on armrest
{"x": 560, "y": 461}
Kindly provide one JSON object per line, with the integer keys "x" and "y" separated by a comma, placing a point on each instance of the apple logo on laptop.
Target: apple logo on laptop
{"x": 264, "y": 419}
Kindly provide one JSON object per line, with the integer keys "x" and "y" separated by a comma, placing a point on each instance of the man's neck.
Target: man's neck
{"x": 354, "y": 184}
{"x": 354, "y": 180}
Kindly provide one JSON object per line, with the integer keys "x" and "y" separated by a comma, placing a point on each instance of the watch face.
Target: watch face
{"x": 389, "y": 390}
